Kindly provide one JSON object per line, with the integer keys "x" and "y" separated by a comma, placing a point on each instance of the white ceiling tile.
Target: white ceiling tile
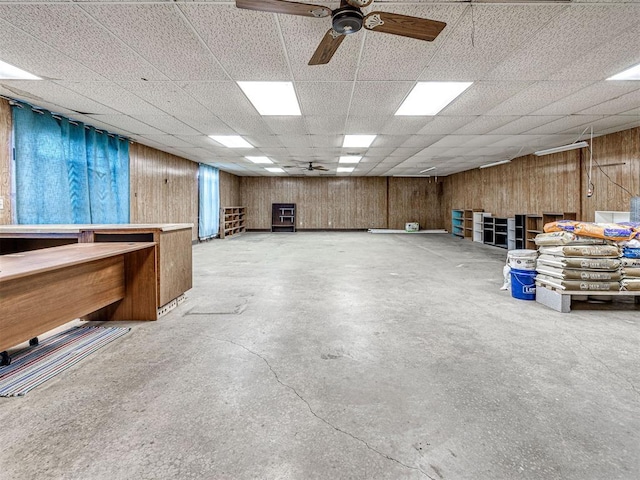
{"x": 167, "y": 124}
{"x": 398, "y": 125}
{"x": 482, "y": 96}
{"x": 69, "y": 29}
{"x": 421, "y": 141}
{"x": 443, "y": 125}
{"x": 614, "y": 106}
{"x": 378, "y": 98}
{"x": 33, "y": 91}
{"x": 179, "y": 56}
{"x": 246, "y": 125}
{"x": 109, "y": 93}
{"x": 537, "y": 96}
{"x": 324, "y": 98}
{"x": 592, "y": 95}
{"x": 326, "y": 124}
{"x": 524, "y": 124}
{"x": 484, "y": 37}
{"x": 573, "y": 123}
{"x": 357, "y": 125}
{"x": 205, "y": 124}
{"x": 167, "y": 96}
{"x": 129, "y": 124}
{"x": 286, "y": 125}
{"x": 21, "y": 49}
{"x": 391, "y": 57}
{"x": 246, "y": 43}
{"x": 484, "y": 124}
{"x": 220, "y": 98}
{"x": 571, "y": 34}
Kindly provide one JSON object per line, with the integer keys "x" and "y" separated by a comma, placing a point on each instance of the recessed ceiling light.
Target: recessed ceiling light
{"x": 272, "y": 98}
{"x": 428, "y": 98}
{"x": 259, "y": 159}
{"x": 350, "y": 159}
{"x": 345, "y": 169}
{"x": 358, "y": 140}
{"x": 274, "y": 169}
{"x": 231, "y": 141}
{"x": 632, "y": 73}
{"x": 9, "y": 72}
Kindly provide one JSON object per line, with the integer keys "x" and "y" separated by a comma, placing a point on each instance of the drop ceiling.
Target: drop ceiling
{"x": 164, "y": 74}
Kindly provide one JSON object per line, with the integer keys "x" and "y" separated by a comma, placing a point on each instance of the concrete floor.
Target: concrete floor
{"x": 343, "y": 356}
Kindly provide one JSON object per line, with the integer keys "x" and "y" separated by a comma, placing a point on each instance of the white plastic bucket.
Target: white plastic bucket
{"x": 522, "y": 259}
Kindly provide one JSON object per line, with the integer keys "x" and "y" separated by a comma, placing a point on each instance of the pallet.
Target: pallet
{"x": 560, "y": 300}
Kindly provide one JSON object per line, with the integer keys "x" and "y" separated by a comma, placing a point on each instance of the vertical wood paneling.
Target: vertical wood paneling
{"x": 415, "y": 200}
{"x": 609, "y": 152}
{"x": 164, "y": 188}
{"x": 230, "y": 190}
{"x": 553, "y": 183}
{"x": 5, "y": 161}
{"x": 371, "y": 202}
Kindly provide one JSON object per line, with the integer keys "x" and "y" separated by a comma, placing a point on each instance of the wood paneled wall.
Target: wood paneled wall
{"x": 5, "y": 161}
{"x": 553, "y": 183}
{"x": 229, "y": 190}
{"x": 164, "y": 188}
{"x": 344, "y": 202}
{"x": 610, "y": 151}
{"x": 415, "y": 200}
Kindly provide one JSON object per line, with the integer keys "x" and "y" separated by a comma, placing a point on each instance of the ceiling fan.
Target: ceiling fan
{"x": 348, "y": 19}
{"x": 311, "y": 167}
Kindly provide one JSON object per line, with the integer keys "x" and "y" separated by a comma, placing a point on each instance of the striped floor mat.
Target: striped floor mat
{"x": 35, "y": 365}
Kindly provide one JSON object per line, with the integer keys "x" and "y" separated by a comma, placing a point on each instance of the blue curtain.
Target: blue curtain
{"x": 209, "y": 204}
{"x": 66, "y": 172}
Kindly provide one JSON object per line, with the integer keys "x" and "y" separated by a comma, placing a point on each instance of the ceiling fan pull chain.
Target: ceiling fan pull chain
{"x": 373, "y": 21}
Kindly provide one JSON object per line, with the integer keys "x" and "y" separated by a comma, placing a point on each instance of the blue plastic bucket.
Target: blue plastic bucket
{"x": 523, "y": 284}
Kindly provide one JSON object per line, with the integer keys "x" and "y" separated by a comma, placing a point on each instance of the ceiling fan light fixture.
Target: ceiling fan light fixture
{"x": 347, "y": 20}
{"x": 429, "y": 98}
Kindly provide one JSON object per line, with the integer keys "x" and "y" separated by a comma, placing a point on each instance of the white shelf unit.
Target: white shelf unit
{"x": 511, "y": 233}
{"x": 602, "y": 216}
{"x": 478, "y": 226}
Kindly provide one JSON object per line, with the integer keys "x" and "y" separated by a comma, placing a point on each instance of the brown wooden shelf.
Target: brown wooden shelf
{"x": 232, "y": 221}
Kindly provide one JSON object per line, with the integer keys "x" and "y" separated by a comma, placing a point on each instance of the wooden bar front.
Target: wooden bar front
{"x": 43, "y": 289}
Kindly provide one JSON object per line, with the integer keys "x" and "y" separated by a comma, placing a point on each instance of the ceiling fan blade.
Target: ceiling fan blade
{"x": 328, "y": 46}
{"x": 396, "y": 24}
{"x": 280, "y": 6}
{"x": 319, "y": 167}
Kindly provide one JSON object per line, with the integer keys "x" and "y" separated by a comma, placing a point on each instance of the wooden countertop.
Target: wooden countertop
{"x": 22, "y": 264}
{"x": 77, "y": 228}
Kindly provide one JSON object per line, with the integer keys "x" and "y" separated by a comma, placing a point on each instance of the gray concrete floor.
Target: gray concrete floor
{"x": 343, "y": 356}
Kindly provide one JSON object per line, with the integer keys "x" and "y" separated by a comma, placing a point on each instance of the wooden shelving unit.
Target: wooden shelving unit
{"x": 232, "y": 221}
{"x": 283, "y": 217}
{"x": 533, "y": 227}
{"x": 468, "y": 222}
{"x": 457, "y": 223}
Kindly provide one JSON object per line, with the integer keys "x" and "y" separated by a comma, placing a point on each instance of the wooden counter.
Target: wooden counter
{"x": 43, "y": 289}
{"x": 173, "y": 246}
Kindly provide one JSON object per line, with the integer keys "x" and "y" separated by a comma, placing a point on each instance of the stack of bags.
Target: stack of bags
{"x": 582, "y": 256}
{"x": 631, "y": 266}
{"x": 577, "y": 263}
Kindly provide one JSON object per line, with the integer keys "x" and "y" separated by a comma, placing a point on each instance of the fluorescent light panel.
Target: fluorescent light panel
{"x": 231, "y": 141}
{"x": 350, "y": 159}
{"x": 428, "y": 98}
{"x": 272, "y": 98}
{"x": 358, "y": 141}
{"x": 345, "y": 169}
{"x": 259, "y": 159}
{"x": 9, "y": 72}
{"x": 274, "y": 169}
{"x": 632, "y": 73}
{"x": 427, "y": 169}
{"x": 562, "y": 148}
{"x": 495, "y": 164}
